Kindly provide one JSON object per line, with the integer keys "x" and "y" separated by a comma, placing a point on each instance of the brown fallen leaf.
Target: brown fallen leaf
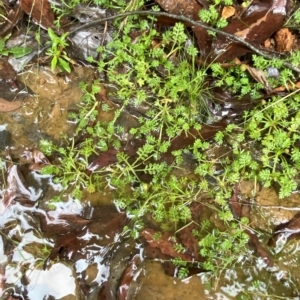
{"x": 260, "y": 77}
{"x": 290, "y": 230}
{"x": 234, "y": 202}
{"x": 69, "y": 243}
{"x": 185, "y": 235}
{"x": 102, "y": 97}
{"x": 40, "y": 11}
{"x": 165, "y": 243}
{"x": 190, "y": 9}
{"x": 12, "y": 19}
{"x": 16, "y": 190}
{"x": 240, "y": 209}
{"x": 127, "y": 277}
{"x": 258, "y": 22}
{"x": 260, "y": 250}
{"x": 8, "y": 73}
{"x": 289, "y": 88}
{"x": 104, "y": 159}
{"x": 61, "y": 224}
{"x": 284, "y": 40}
{"x": 227, "y": 12}
{"x": 6, "y": 106}
{"x": 36, "y": 159}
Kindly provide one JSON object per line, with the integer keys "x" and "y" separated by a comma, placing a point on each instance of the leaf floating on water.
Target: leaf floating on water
{"x": 6, "y": 106}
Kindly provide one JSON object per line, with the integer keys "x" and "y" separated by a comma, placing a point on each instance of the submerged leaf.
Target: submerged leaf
{"x": 165, "y": 243}
{"x": 16, "y": 189}
{"x": 290, "y": 230}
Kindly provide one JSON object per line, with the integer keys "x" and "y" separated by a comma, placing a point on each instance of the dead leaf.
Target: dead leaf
{"x": 12, "y": 19}
{"x": 227, "y": 12}
{"x": 290, "y": 230}
{"x": 61, "y": 223}
{"x": 260, "y": 77}
{"x": 40, "y": 11}
{"x": 288, "y": 87}
{"x": 104, "y": 159}
{"x": 259, "y": 21}
{"x": 36, "y": 159}
{"x": 241, "y": 208}
{"x": 65, "y": 244}
{"x": 269, "y": 43}
{"x": 191, "y": 10}
{"x": 165, "y": 243}
{"x": 6, "y": 106}
{"x": 284, "y": 40}
{"x": 234, "y": 203}
{"x": 7, "y": 72}
{"x": 260, "y": 250}
{"x": 127, "y": 277}
{"x": 16, "y": 190}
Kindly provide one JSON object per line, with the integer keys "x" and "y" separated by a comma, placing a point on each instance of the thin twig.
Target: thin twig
{"x": 195, "y": 23}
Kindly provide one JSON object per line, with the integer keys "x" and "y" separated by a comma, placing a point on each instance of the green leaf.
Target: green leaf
{"x": 54, "y": 62}
{"x": 18, "y": 52}
{"x": 2, "y": 44}
{"x": 64, "y": 65}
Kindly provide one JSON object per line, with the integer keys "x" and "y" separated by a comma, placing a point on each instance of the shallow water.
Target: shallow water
{"x": 77, "y": 250}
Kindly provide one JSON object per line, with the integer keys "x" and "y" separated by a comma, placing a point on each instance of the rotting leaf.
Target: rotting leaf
{"x": 234, "y": 203}
{"x": 284, "y": 40}
{"x": 260, "y": 250}
{"x": 36, "y": 159}
{"x": 64, "y": 244}
{"x": 62, "y": 223}
{"x": 6, "y": 106}
{"x": 260, "y": 77}
{"x": 257, "y": 23}
{"x": 109, "y": 228}
{"x": 227, "y": 12}
{"x": 40, "y": 11}
{"x": 185, "y": 235}
{"x": 104, "y": 159}
{"x": 190, "y": 9}
{"x": 7, "y": 72}
{"x": 16, "y": 190}
{"x": 127, "y": 277}
{"x": 12, "y": 19}
{"x": 165, "y": 243}
{"x": 290, "y": 230}
{"x": 241, "y": 209}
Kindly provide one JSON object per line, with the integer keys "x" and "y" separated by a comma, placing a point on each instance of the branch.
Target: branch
{"x": 195, "y": 23}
